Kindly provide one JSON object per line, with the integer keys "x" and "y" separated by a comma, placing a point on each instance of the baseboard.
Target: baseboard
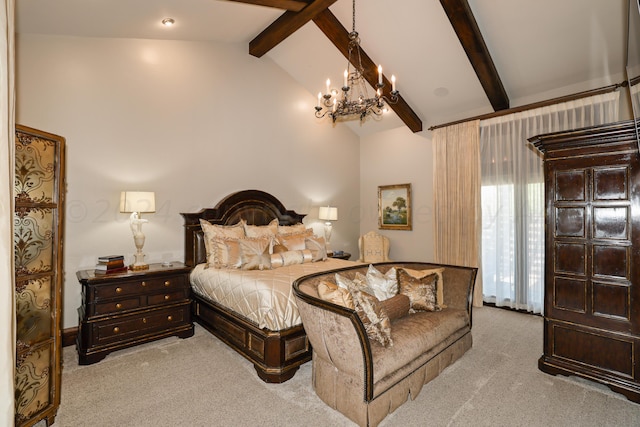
{"x": 69, "y": 336}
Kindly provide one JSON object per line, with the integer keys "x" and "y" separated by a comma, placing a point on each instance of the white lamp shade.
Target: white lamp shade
{"x": 137, "y": 201}
{"x": 328, "y": 213}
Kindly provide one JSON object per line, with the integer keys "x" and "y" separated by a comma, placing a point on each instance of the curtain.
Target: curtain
{"x": 7, "y": 307}
{"x": 456, "y": 184}
{"x": 513, "y": 196}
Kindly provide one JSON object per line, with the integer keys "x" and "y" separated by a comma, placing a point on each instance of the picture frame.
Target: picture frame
{"x": 394, "y": 207}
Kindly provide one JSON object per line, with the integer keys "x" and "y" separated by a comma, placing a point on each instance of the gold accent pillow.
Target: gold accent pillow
{"x": 289, "y": 229}
{"x": 257, "y": 231}
{"x": 226, "y": 253}
{"x": 331, "y": 292}
{"x": 294, "y": 241}
{"x": 397, "y": 306}
{"x": 214, "y": 231}
{"x": 254, "y": 254}
{"x": 283, "y": 259}
{"x": 317, "y": 246}
{"x": 418, "y": 274}
{"x": 422, "y": 292}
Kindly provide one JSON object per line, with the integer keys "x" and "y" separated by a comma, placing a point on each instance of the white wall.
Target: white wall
{"x": 192, "y": 121}
{"x": 399, "y": 156}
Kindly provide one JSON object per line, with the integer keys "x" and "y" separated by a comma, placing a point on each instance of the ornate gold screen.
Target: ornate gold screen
{"x": 38, "y": 229}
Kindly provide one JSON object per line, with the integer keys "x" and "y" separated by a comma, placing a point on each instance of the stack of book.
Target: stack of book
{"x": 110, "y": 264}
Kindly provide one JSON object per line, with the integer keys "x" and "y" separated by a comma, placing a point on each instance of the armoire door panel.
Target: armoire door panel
{"x": 570, "y": 185}
{"x": 570, "y": 258}
{"x": 611, "y": 222}
{"x": 611, "y": 261}
{"x": 611, "y": 183}
{"x": 612, "y": 301}
{"x": 570, "y": 294}
{"x": 570, "y": 222}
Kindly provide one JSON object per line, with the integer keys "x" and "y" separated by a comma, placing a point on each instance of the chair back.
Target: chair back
{"x": 374, "y": 247}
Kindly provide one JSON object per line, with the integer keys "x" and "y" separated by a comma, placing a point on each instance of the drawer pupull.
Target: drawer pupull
{"x": 144, "y": 320}
{"x": 169, "y": 318}
{"x": 144, "y": 283}
{"x": 166, "y": 297}
{"x": 167, "y": 282}
{"x": 116, "y": 330}
{"x": 118, "y": 290}
{"x": 118, "y": 306}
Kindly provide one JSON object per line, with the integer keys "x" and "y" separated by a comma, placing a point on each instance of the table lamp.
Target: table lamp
{"x": 328, "y": 214}
{"x": 138, "y": 202}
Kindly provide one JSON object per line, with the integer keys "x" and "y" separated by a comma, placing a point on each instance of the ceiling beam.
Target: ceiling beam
{"x": 466, "y": 27}
{"x": 284, "y": 26}
{"x": 339, "y": 36}
{"x": 292, "y": 5}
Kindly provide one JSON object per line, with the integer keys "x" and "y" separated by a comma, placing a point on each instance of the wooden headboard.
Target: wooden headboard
{"x": 254, "y": 206}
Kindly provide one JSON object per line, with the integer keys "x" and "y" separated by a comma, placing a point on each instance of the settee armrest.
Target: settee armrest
{"x": 337, "y": 336}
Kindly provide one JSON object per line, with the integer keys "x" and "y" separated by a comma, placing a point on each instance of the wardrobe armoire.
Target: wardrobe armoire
{"x": 38, "y": 231}
{"x": 592, "y": 256}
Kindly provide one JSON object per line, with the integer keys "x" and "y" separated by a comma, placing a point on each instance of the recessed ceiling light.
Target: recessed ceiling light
{"x": 167, "y": 22}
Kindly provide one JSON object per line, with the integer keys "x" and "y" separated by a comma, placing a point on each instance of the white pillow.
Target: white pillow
{"x": 384, "y": 286}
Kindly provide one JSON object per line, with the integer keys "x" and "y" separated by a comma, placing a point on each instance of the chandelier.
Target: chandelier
{"x": 354, "y": 99}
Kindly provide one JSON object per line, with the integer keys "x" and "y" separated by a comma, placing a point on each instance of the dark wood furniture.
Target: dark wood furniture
{"x": 121, "y": 310}
{"x": 38, "y": 234}
{"x": 276, "y": 355}
{"x": 343, "y": 255}
{"x": 592, "y": 273}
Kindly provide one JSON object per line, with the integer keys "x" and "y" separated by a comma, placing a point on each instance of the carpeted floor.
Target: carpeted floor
{"x": 201, "y": 382}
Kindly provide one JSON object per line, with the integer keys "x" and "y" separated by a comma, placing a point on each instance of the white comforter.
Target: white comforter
{"x": 264, "y": 297}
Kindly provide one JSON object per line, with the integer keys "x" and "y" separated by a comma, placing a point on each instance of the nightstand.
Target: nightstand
{"x": 126, "y": 309}
{"x": 343, "y": 255}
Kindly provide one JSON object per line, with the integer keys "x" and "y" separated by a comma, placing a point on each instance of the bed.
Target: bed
{"x": 276, "y": 346}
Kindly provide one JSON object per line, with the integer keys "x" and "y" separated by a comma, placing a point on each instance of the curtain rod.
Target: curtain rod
{"x": 546, "y": 103}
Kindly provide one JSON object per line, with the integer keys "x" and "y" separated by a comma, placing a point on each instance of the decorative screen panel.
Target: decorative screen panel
{"x": 39, "y": 184}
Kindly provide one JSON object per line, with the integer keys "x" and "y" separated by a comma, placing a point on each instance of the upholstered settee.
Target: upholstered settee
{"x": 360, "y": 377}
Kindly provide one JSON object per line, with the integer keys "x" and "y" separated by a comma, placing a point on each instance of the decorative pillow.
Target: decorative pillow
{"x": 421, "y": 292}
{"x": 290, "y": 257}
{"x": 397, "y": 306}
{"x": 418, "y": 274}
{"x": 360, "y": 280}
{"x": 257, "y": 231}
{"x": 373, "y": 316}
{"x": 317, "y": 246}
{"x": 254, "y": 254}
{"x": 225, "y": 253}
{"x": 213, "y": 231}
{"x": 294, "y": 241}
{"x": 384, "y": 285}
{"x": 289, "y": 229}
{"x": 279, "y": 248}
{"x": 331, "y": 292}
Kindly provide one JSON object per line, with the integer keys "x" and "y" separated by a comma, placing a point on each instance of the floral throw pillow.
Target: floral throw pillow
{"x": 422, "y": 292}
{"x": 373, "y": 316}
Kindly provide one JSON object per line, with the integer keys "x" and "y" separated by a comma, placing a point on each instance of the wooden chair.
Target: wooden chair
{"x": 374, "y": 247}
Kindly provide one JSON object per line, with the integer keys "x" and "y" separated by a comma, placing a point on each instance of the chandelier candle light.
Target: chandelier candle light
{"x": 355, "y": 100}
{"x": 138, "y": 202}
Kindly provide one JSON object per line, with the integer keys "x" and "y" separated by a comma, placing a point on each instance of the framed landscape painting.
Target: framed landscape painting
{"x": 394, "y": 207}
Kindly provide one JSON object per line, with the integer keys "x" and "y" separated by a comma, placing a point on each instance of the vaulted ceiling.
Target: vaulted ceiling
{"x": 453, "y": 58}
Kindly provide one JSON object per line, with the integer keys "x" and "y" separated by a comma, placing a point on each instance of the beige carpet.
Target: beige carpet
{"x": 201, "y": 382}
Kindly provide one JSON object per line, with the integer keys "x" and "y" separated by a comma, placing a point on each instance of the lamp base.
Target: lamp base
{"x": 138, "y": 267}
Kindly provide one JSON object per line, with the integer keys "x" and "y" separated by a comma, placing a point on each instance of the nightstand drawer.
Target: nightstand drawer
{"x": 166, "y": 298}
{"x": 113, "y": 307}
{"x": 131, "y": 327}
{"x": 135, "y": 287}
